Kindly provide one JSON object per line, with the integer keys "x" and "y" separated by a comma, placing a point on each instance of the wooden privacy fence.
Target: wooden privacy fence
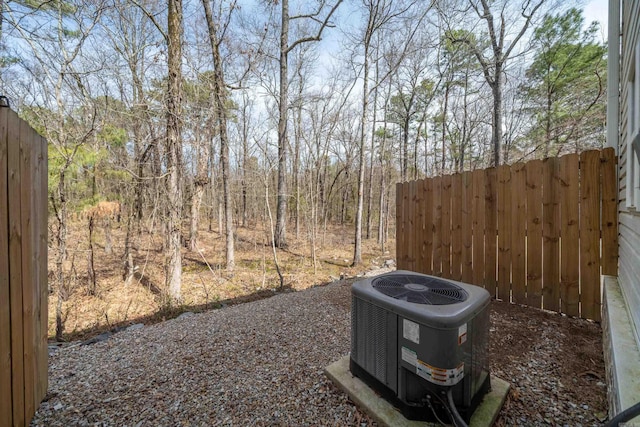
{"x": 539, "y": 233}
{"x": 23, "y": 270}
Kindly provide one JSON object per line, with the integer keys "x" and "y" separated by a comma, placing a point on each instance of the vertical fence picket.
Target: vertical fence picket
{"x": 15, "y": 269}
{"x": 551, "y": 235}
{"x": 437, "y": 226}
{"x": 456, "y": 226}
{"x": 43, "y": 205}
{"x": 428, "y": 226}
{"x": 446, "y": 226}
{"x": 534, "y": 233}
{"x": 420, "y": 230}
{"x": 569, "y": 232}
{"x": 590, "y": 300}
{"x": 490, "y": 231}
{"x": 504, "y": 228}
{"x": 467, "y": 238}
{"x": 27, "y": 266}
{"x": 518, "y": 233}
{"x": 400, "y": 231}
{"x": 410, "y": 222}
{"x": 478, "y": 227}
{"x": 5, "y": 303}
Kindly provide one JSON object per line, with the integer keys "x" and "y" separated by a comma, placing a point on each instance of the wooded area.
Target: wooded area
{"x": 170, "y": 118}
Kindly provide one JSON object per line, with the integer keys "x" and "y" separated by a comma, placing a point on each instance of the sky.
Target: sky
{"x": 597, "y": 10}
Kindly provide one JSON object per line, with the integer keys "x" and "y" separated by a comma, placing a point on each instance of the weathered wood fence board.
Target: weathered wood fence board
{"x": 490, "y": 231}
{"x": 5, "y": 302}
{"x": 551, "y": 233}
{"x": 504, "y": 224}
{"x": 456, "y": 227}
{"x": 23, "y": 270}
{"x": 518, "y": 233}
{"x": 467, "y": 242}
{"x": 609, "y": 214}
{"x": 477, "y": 218}
{"x": 539, "y": 233}
{"x": 569, "y": 235}
{"x": 534, "y": 233}
{"x": 446, "y": 225}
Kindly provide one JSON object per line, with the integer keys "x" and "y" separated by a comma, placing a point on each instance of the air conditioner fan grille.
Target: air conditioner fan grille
{"x": 419, "y": 289}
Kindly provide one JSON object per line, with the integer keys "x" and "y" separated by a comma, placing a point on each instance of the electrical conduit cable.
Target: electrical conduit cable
{"x": 625, "y": 415}
{"x": 457, "y": 419}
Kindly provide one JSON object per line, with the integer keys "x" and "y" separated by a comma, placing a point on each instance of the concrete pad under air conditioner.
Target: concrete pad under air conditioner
{"x": 386, "y": 414}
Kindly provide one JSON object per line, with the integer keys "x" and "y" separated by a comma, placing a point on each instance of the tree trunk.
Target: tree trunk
{"x": 405, "y": 152}
{"x": 129, "y": 267}
{"x": 444, "y": 124}
{"x": 212, "y": 183}
{"x": 370, "y": 189}
{"x": 383, "y": 147}
{"x": 245, "y": 153}
{"x": 220, "y": 217}
{"x": 372, "y": 156}
{"x": 280, "y": 234}
{"x": 271, "y": 228}
{"x": 496, "y": 129}
{"x": 61, "y": 240}
{"x": 91, "y": 271}
{"x": 174, "y": 151}
{"x": 296, "y": 162}
{"x": 493, "y": 68}
{"x": 357, "y": 250}
{"x": 200, "y": 183}
{"x": 199, "y": 186}
{"x": 465, "y": 118}
{"x": 108, "y": 245}
{"x": 547, "y": 124}
{"x": 219, "y": 94}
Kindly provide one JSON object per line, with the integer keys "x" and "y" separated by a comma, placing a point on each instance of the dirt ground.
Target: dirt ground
{"x": 205, "y": 282}
{"x": 554, "y": 364}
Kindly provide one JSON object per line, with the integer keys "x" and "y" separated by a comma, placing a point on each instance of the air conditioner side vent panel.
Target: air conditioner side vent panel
{"x": 373, "y": 340}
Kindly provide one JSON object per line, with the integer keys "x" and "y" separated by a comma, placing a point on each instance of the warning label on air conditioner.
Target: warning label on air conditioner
{"x": 411, "y": 331}
{"x": 438, "y": 375}
{"x": 409, "y": 356}
{"x": 462, "y": 334}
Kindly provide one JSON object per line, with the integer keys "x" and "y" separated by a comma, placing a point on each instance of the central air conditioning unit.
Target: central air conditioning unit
{"x": 422, "y": 342}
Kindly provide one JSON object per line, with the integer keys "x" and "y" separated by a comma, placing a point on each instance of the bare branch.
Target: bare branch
{"x": 152, "y": 18}
{"x": 318, "y": 36}
{"x": 524, "y": 28}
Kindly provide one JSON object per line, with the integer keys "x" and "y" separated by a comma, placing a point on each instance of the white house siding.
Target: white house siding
{"x": 629, "y": 266}
{"x": 629, "y": 228}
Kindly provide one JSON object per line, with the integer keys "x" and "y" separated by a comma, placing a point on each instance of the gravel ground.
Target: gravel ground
{"x": 261, "y": 363}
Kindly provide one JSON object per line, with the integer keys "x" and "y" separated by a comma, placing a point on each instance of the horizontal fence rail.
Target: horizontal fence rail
{"x": 23, "y": 270}
{"x": 538, "y": 233}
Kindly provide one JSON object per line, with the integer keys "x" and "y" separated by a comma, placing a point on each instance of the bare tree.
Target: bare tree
{"x": 219, "y": 97}
{"x": 280, "y": 234}
{"x": 500, "y": 51}
{"x": 173, "y": 263}
{"x": 378, "y": 14}
{"x": 130, "y": 34}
